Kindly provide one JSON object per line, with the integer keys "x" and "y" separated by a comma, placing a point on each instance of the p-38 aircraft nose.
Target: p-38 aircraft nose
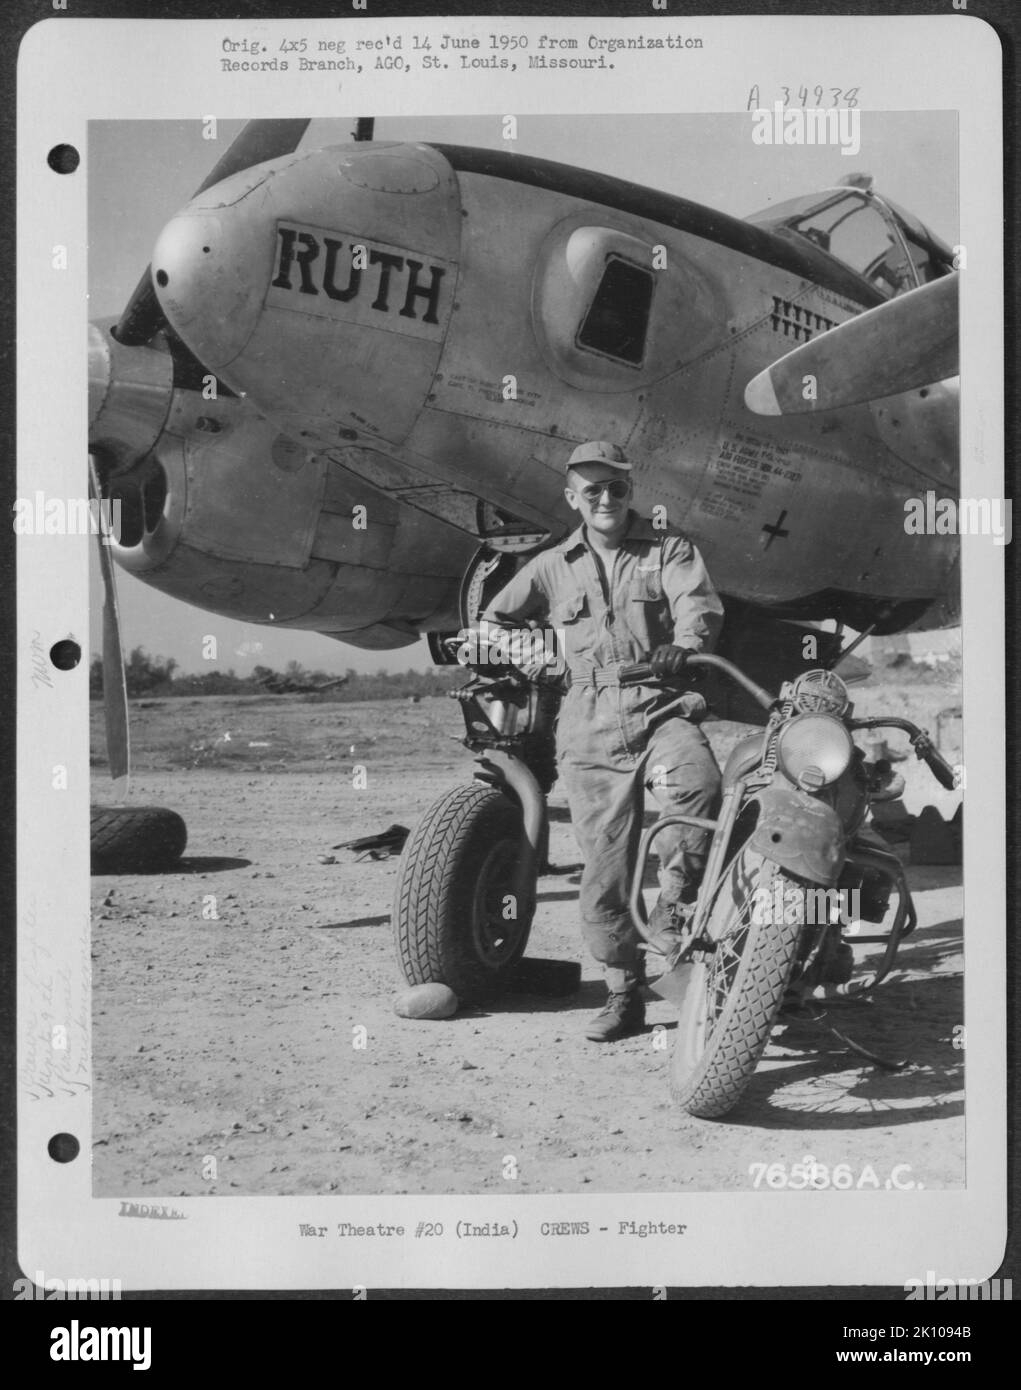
{"x": 314, "y": 283}
{"x": 207, "y": 267}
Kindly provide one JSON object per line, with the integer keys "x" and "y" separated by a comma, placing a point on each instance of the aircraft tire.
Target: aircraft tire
{"x": 451, "y": 899}
{"x": 135, "y": 839}
{"x": 734, "y": 994}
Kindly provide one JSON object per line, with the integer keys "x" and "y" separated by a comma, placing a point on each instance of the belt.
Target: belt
{"x": 598, "y": 676}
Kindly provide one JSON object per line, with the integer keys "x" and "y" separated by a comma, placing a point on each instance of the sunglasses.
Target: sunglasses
{"x": 618, "y": 488}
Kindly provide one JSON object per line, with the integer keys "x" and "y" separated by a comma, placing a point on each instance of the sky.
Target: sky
{"x": 140, "y": 173}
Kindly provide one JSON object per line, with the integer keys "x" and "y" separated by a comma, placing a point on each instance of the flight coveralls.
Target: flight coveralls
{"x": 614, "y": 741}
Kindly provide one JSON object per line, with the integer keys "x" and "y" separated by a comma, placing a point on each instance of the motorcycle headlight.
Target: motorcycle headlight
{"x": 813, "y": 750}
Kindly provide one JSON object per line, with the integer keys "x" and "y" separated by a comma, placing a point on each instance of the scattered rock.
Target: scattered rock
{"x": 426, "y": 1001}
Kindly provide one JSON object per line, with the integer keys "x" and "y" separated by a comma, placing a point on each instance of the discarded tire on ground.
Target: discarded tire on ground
{"x": 135, "y": 839}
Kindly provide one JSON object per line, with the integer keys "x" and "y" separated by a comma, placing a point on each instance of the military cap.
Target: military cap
{"x": 598, "y": 451}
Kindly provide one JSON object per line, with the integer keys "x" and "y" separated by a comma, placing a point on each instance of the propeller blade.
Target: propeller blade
{"x": 115, "y": 687}
{"x": 908, "y": 342}
{"x": 257, "y": 142}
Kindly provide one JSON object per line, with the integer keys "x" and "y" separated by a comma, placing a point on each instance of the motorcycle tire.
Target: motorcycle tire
{"x": 733, "y": 994}
{"x": 453, "y": 881}
{"x": 135, "y": 839}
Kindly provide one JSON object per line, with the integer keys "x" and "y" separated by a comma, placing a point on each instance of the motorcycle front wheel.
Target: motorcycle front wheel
{"x": 456, "y": 919}
{"x": 734, "y": 990}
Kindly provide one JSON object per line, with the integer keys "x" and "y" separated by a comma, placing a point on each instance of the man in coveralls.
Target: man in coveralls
{"x": 620, "y": 591}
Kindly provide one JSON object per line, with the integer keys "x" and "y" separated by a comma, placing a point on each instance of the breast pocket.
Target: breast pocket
{"x": 571, "y": 619}
{"x": 649, "y": 614}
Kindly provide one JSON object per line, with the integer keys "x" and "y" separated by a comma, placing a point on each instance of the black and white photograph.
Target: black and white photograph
{"x": 536, "y": 558}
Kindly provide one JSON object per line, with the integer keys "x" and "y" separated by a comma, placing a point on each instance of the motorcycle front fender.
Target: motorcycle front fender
{"x": 500, "y": 768}
{"x": 801, "y": 834}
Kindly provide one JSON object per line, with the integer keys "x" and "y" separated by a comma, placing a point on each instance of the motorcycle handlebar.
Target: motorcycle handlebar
{"x": 935, "y": 761}
{"x": 642, "y": 674}
{"x": 923, "y": 745}
{"x": 941, "y": 769}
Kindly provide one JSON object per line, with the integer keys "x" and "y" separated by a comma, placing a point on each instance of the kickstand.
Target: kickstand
{"x": 886, "y": 1063}
{"x": 801, "y": 1014}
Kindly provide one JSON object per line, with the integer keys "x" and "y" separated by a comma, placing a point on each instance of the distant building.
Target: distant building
{"x": 930, "y": 648}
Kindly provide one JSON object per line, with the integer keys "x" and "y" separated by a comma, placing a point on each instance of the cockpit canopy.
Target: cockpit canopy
{"x": 878, "y": 240}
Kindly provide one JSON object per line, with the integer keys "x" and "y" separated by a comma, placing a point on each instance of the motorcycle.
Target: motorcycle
{"x": 793, "y": 869}
{"x": 466, "y": 881}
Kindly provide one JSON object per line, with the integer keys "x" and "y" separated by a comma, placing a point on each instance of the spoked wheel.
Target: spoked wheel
{"x": 456, "y": 917}
{"x": 735, "y": 987}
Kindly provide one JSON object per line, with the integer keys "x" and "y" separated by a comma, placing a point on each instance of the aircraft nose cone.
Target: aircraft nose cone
{"x": 207, "y": 268}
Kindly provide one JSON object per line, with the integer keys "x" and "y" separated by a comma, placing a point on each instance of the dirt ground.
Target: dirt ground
{"x": 235, "y": 1039}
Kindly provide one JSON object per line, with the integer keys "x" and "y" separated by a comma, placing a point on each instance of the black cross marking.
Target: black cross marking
{"x": 777, "y": 530}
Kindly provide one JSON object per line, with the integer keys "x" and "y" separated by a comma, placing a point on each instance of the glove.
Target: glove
{"x": 668, "y": 660}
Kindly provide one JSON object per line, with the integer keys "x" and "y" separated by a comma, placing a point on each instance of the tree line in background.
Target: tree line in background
{"x": 152, "y": 676}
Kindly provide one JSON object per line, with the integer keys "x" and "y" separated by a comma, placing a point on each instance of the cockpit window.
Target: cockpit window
{"x": 929, "y": 262}
{"x": 867, "y": 233}
{"x": 857, "y": 233}
{"x": 617, "y": 320}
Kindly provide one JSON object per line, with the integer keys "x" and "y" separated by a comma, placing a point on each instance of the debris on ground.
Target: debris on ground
{"x": 379, "y": 846}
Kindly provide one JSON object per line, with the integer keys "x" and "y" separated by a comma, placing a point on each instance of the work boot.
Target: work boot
{"x": 669, "y": 929}
{"x": 621, "y": 1015}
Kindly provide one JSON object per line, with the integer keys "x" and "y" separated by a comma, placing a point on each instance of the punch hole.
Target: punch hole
{"x": 162, "y": 279}
{"x": 63, "y": 159}
{"x": 65, "y": 654}
{"x": 63, "y": 1148}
